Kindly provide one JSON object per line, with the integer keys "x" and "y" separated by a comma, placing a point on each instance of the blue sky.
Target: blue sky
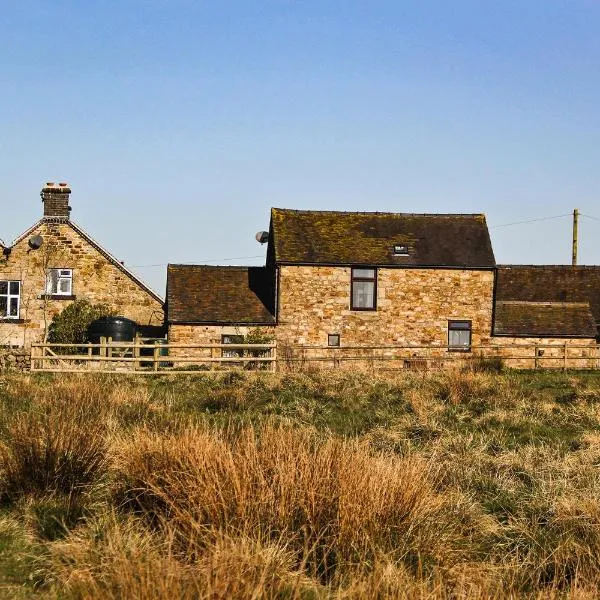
{"x": 179, "y": 123}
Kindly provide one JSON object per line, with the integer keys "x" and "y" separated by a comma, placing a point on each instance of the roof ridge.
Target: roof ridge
{"x": 563, "y": 266}
{"x": 215, "y": 266}
{"x": 371, "y": 213}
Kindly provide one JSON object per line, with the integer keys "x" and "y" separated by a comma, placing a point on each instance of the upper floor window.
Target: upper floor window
{"x": 60, "y": 282}
{"x": 363, "y": 289}
{"x": 459, "y": 336}
{"x": 10, "y": 299}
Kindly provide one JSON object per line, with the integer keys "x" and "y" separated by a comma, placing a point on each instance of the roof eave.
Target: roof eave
{"x": 545, "y": 335}
{"x": 294, "y": 263}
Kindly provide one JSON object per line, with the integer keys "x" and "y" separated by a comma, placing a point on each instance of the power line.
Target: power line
{"x": 531, "y": 221}
{"x": 590, "y": 217}
{"x": 202, "y": 261}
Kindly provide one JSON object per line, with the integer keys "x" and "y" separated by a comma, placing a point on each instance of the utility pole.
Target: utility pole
{"x": 575, "y": 231}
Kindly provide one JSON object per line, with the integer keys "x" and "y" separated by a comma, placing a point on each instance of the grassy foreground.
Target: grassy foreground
{"x": 456, "y": 485}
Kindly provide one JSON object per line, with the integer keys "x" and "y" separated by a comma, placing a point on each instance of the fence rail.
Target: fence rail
{"x": 143, "y": 358}
{"x": 155, "y": 357}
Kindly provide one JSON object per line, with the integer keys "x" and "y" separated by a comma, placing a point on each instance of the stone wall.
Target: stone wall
{"x": 413, "y": 306}
{"x": 95, "y": 278}
{"x": 14, "y": 359}
{"x": 208, "y": 334}
{"x": 545, "y": 353}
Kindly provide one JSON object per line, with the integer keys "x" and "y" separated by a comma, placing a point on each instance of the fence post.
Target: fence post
{"x": 536, "y": 362}
{"x": 32, "y": 359}
{"x": 136, "y": 352}
{"x": 156, "y": 355}
{"x": 274, "y": 357}
{"x": 565, "y": 357}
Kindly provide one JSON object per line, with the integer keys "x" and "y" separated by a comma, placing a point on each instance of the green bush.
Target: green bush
{"x": 70, "y": 326}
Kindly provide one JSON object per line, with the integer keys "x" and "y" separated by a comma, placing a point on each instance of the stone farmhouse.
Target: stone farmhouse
{"x": 357, "y": 279}
{"x": 55, "y": 262}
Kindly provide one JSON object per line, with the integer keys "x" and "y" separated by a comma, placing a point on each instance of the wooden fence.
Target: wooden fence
{"x": 144, "y": 358}
{"x": 149, "y": 357}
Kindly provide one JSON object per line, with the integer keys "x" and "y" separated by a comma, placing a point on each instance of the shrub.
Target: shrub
{"x": 70, "y": 326}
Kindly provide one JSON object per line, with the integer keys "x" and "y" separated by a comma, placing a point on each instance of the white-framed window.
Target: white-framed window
{"x": 60, "y": 282}
{"x": 10, "y": 299}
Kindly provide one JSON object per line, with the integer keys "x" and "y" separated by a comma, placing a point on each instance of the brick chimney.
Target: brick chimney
{"x": 55, "y": 197}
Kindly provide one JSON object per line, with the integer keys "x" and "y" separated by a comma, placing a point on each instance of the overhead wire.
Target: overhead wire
{"x": 531, "y": 221}
{"x": 213, "y": 260}
{"x": 201, "y": 261}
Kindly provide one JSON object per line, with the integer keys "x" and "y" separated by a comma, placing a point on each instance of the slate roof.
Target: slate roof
{"x": 544, "y": 319}
{"x": 550, "y": 283}
{"x": 220, "y": 295}
{"x": 362, "y": 238}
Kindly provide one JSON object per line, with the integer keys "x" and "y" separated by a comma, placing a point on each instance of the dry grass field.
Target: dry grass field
{"x": 331, "y": 485}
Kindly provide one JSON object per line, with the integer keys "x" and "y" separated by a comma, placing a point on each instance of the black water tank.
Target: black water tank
{"x": 120, "y": 329}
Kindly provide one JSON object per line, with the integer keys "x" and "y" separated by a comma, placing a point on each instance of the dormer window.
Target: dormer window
{"x": 400, "y": 250}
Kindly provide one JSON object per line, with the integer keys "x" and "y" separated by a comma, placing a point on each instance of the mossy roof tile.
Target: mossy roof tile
{"x": 220, "y": 295}
{"x": 544, "y": 319}
{"x": 362, "y": 238}
{"x": 550, "y": 283}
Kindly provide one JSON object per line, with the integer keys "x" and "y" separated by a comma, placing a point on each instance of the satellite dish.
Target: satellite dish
{"x": 35, "y": 242}
{"x": 262, "y": 237}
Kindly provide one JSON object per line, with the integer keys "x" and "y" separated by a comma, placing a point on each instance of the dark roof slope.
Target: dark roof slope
{"x": 358, "y": 238}
{"x": 544, "y": 319}
{"x": 220, "y": 295}
{"x": 550, "y": 283}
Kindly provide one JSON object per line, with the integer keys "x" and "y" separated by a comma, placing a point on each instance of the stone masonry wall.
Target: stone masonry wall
{"x": 14, "y": 359}
{"x": 95, "y": 279}
{"x": 413, "y": 306}
{"x": 207, "y": 334}
{"x": 545, "y": 353}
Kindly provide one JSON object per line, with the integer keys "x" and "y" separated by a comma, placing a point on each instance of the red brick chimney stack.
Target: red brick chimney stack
{"x": 55, "y": 197}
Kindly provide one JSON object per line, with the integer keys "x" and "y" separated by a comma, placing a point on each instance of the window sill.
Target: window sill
{"x": 355, "y": 309}
{"x": 57, "y": 297}
{"x": 13, "y": 321}
{"x": 464, "y": 350}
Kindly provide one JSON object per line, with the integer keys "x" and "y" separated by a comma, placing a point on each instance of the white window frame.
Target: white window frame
{"x": 10, "y": 296}
{"x": 59, "y": 276}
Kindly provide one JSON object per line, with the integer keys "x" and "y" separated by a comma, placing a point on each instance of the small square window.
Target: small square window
{"x": 400, "y": 250}
{"x": 459, "y": 336}
{"x": 333, "y": 339}
{"x": 234, "y": 352}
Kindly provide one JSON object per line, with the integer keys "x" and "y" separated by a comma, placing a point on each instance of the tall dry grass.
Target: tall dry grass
{"x": 460, "y": 485}
{"x": 333, "y": 501}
